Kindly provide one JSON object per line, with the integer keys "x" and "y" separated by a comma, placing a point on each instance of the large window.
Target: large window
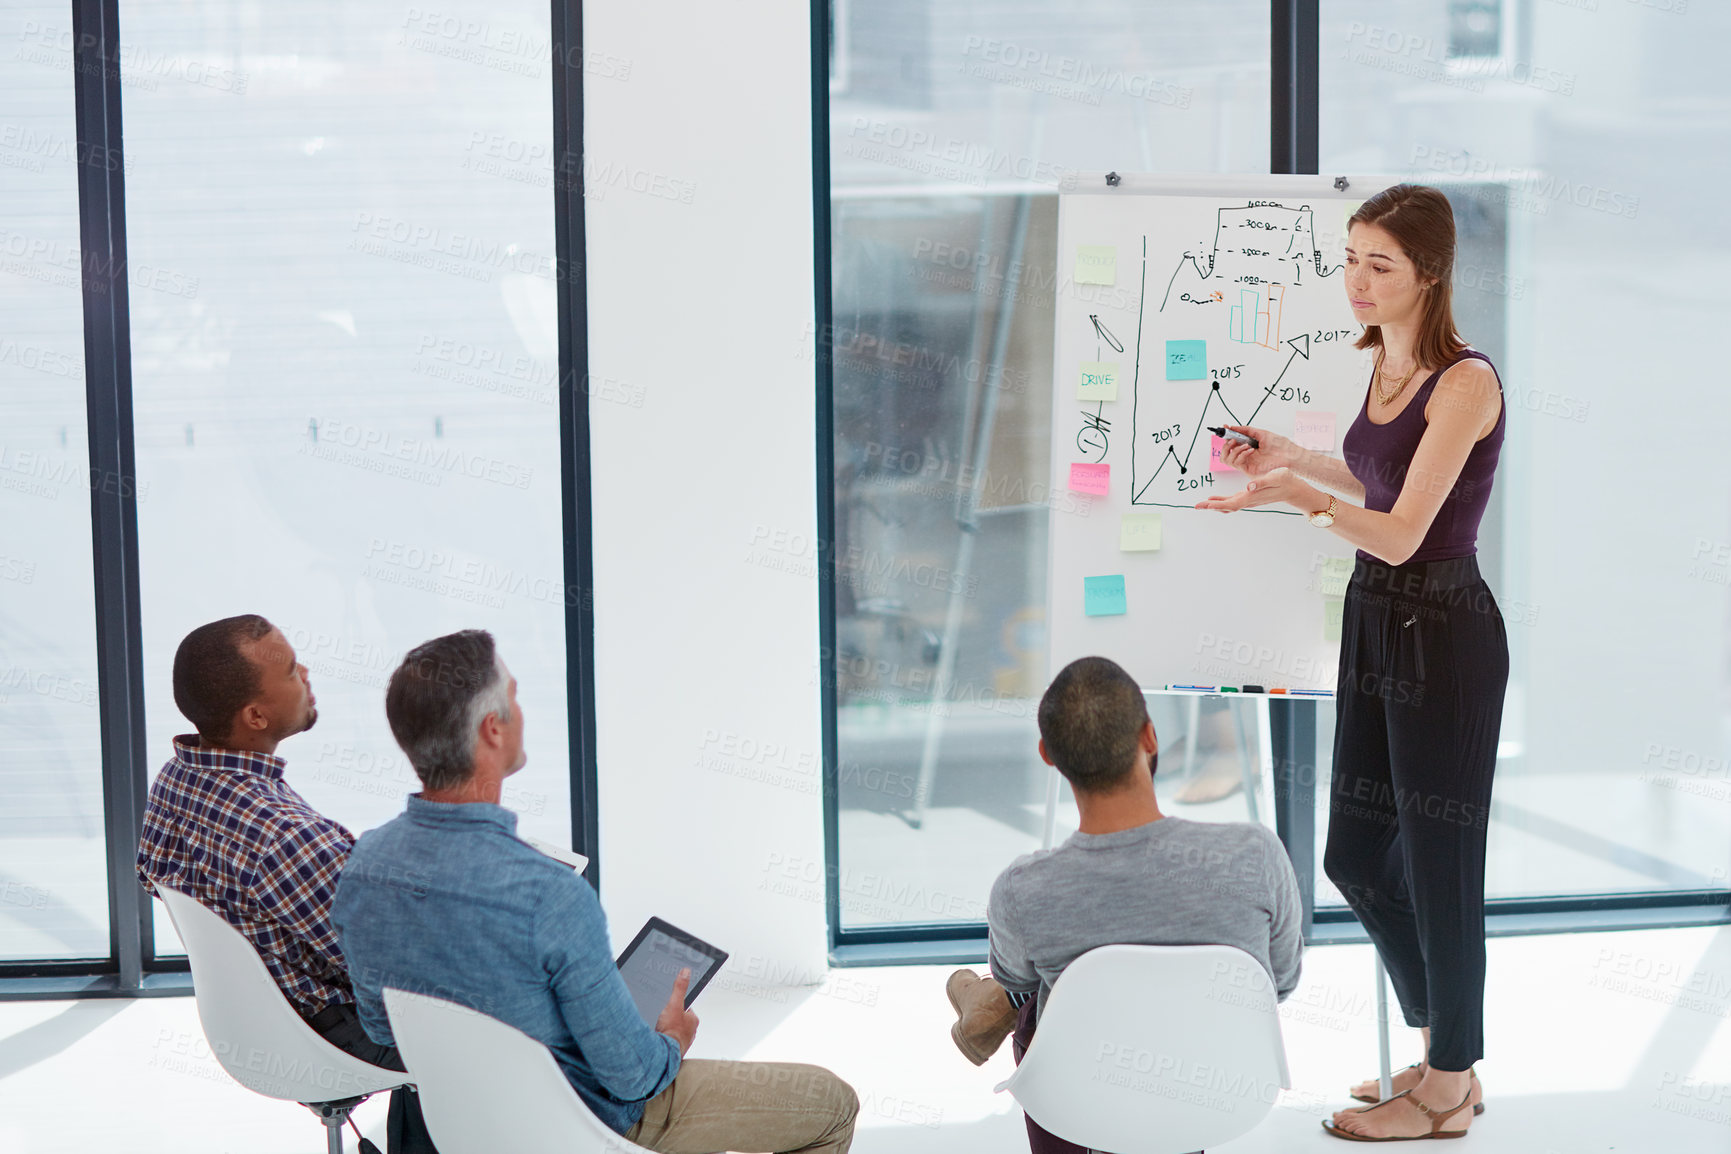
{"x": 53, "y": 890}
{"x": 949, "y": 134}
{"x": 345, "y": 361}
{"x": 1582, "y": 146}
{"x": 353, "y": 389}
{"x": 1598, "y": 135}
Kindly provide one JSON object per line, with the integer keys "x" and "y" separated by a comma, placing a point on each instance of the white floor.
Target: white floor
{"x": 1597, "y": 1042}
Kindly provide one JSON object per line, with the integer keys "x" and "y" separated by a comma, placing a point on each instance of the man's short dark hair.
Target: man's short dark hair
{"x": 213, "y": 679}
{"x": 1091, "y": 719}
{"x": 437, "y": 698}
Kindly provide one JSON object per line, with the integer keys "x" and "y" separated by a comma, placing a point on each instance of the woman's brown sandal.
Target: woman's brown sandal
{"x": 1478, "y": 1107}
{"x": 1372, "y": 1098}
{"x": 1436, "y": 1121}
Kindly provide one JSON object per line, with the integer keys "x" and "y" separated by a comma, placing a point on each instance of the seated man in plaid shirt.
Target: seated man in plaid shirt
{"x": 224, "y": 827}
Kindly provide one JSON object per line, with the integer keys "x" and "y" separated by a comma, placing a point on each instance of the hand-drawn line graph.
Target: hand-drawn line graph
{"x": 1257, "y": 257}
{"x": 1300, "y": 348}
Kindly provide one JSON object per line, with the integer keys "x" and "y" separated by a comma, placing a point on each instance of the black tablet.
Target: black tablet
{"x": 652, "y": 962}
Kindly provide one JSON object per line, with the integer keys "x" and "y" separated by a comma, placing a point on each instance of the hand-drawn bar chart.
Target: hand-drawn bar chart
{"x": 1256, "y": 316}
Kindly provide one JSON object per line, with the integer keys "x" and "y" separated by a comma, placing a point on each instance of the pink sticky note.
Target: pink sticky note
{"x": 1215, "y": 464}
{"x": 1093, "y": 479}
{"x": 1314, "y": 430}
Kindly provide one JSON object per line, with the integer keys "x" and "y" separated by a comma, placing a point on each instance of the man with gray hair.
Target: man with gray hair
{"x": 447, "y": 900}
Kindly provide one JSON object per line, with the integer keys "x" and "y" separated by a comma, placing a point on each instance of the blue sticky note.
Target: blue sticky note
{"x": 1186, "y": 360}
{"x": 1103, "y": 596}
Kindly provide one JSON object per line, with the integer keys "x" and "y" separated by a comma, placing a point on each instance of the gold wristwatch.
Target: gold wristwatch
{"x": 1323, "y": 518}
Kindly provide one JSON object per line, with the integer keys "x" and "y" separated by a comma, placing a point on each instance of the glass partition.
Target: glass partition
{"x": 53, "y": 860}
{"x": 1582, "y": 147}
{"x": 345, "y": 360}
{"x": 948, "y": 137}
{"x": 1594, "y": 136}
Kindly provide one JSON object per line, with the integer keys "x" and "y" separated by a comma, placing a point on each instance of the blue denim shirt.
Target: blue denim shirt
{"x": 445, "y": 901}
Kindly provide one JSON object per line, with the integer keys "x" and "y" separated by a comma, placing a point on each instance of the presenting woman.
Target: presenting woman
{"x": 1424, "y": 658}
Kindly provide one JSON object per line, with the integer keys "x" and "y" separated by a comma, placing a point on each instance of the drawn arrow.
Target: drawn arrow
{"x": 1298, "y": 350}
{"x": 1105, "y": 334}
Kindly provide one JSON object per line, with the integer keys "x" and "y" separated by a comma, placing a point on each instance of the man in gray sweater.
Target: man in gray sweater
{"x": 1128, "y": 875}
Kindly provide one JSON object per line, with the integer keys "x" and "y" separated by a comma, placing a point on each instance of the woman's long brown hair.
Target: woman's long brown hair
{"x": 1422, "y": 223}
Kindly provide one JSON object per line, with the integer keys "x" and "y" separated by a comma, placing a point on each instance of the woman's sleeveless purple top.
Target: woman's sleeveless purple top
{"x": 1379, "y": 455}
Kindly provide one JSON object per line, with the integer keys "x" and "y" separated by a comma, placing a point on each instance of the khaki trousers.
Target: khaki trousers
{"x": 751, "y": 1108}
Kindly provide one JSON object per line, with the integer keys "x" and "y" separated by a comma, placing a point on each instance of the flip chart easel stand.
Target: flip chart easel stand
{"x": 1384, "y": 1080}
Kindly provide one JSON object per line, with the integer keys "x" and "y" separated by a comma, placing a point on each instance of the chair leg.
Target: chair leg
{"x": 334, "y": 1132}
{"x": 333, "y": 1115}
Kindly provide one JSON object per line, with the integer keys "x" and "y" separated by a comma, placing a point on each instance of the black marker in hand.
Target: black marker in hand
{"x": 1233, "y": 435}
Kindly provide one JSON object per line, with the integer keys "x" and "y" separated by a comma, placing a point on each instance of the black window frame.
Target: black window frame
{"x": 1294, "y": 112}
{"x": 132, "y": 967}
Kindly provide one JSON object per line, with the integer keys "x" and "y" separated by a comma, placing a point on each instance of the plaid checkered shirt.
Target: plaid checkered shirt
{"x": 224, "y": 828}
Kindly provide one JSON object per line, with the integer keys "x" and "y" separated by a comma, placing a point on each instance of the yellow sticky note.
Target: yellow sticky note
{"x": 1139, "y": 532}
{"x": 1332, "y": 609}
{"x": 1096, "y": 264}
{"x": 1099, "y": 381}
{"x": 1335, "y": 573}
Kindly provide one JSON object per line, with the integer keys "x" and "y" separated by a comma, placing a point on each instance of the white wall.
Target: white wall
{"x": 700, "y": 290}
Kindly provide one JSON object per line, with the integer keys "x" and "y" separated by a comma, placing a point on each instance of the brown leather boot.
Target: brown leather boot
{"x": 986, "y": 1016}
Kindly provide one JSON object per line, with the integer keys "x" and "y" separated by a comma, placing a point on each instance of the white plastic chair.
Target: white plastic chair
{"x": 461, "y": 1059}
{"x": 257, "y": 1037}
{"x": 1155, "y": 1050}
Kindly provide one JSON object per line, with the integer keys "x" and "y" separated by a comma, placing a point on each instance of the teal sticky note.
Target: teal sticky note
{"x": 1103, "y": 596}
{"x": 1186, "y": 360}
{"x": 1333, "y": 609}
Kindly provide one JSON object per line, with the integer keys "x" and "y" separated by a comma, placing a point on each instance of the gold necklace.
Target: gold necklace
{"x": 1400, "y": 383}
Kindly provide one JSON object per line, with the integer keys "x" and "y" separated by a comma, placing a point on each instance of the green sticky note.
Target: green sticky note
{"x": 1139, "y": 532}
{"x": 1336, "y": 572}
{"x": 1103, "y": 596}
{"x": 1099, "y": 381}
{"x": 1096, "y": 264}
{"x": 1332, "y": 608}
{"x": 1186, "y": 360}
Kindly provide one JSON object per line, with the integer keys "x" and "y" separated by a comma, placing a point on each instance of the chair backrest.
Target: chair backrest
{"x": 486, "y": 1086}
{"x": 252, "y": 1029}
{"x": 1154, "y": 1050}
